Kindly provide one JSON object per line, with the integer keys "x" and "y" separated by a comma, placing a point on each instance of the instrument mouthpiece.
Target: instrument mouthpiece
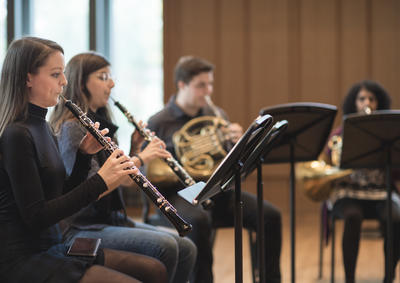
{"x": 367, "y": 110}
{"x": 62, "y": 97}
{"x": 208, "y": 100}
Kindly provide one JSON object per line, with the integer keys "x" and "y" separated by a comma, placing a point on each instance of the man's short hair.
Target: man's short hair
{"x": 190, "y": 66}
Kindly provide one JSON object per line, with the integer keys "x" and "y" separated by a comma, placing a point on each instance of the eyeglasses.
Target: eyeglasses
{"x": 105, "y": 77}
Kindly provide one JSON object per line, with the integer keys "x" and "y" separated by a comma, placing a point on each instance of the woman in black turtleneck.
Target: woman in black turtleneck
{"x": 34, "y": 191}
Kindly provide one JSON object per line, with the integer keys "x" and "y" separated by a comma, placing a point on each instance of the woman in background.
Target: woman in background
{"x": 363, "y": 193}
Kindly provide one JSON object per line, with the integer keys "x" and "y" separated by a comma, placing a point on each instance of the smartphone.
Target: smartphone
{"x": 84, "y": 247}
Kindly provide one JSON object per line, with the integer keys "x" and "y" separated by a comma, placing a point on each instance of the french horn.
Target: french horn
{"x": 317, "y": 177}
{"x": 200, "y": 145}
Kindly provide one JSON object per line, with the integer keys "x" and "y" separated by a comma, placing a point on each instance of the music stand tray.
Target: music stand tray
{"x": 373, "y": 141}
{"x": 264, "y": 147}
{"x": 309, "y": 127}
{"x": 368, "y": 135}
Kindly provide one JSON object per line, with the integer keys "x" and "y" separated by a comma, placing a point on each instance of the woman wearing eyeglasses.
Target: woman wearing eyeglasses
{"x": 90, "y": 85}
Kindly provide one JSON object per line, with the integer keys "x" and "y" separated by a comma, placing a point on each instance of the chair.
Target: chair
{"x": 327, "y": 228}
{"x": 157, "y": 219}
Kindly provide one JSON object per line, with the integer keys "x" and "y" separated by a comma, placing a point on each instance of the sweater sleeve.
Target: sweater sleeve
{"x": 69, "y": 139}
{"x": 37, "y": 207}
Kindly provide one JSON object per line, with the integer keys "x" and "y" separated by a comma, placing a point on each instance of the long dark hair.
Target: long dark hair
{"x": 77, "y": 73}
{"x": 25, "y": 55}
{"x": 382, "y": 96}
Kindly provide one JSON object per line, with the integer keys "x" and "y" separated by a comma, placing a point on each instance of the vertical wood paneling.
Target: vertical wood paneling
{"x": 198, "y": 32}
{"x": 172, "y": 43}
{"x": 194, "y": 31}
{"x": 269, "y": 52}
{"x": 294, "y": 52}
{"x": 231, "y": 67}
{"x": 318, "y": 51}
{"x": 268, "y": 35}
{"x": 395, "y": 89}
{"x": 354, "y": 43}
{"x": 385, "y": 44}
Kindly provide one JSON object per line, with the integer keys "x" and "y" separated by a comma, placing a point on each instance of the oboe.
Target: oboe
{"x": 156, "y": 197}
{"x": 180, "y": 172}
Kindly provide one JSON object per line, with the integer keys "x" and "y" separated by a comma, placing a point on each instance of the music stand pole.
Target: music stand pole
{"x": 260, "y": 226}
{"x": 389, "y": 233}
{"x": 238, "y": 228}
{"x": 292, "y": 214}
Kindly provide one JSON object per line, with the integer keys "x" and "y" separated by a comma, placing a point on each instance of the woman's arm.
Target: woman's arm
{"x": 38, "y": 207}
{"x": 78, "y": 165}
{"x": 70, "y": 136}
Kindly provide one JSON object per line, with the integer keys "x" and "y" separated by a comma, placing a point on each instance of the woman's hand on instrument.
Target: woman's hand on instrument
{"x": 115, "y": 168}
{"x": 155, "y": 149}
{"x": 235, "y": 132}
{"x": 89, "y": 144}
{"x": 137, "y": 139}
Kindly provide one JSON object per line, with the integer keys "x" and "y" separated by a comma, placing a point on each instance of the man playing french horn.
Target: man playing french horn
{"x": 194, "y": 82}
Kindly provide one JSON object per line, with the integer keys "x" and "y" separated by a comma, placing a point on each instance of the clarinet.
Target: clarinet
{"x": 180, "y": 172}
{"x": 155, "y": 196}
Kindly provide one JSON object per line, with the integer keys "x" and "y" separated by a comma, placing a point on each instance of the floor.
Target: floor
{"x": 370, "y": 266}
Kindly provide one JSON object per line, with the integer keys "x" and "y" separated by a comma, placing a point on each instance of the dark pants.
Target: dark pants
{"x": 222, "y": 215}
{"x": 354, "y": 211}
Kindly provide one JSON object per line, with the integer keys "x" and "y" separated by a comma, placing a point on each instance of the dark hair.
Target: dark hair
{"x": 382, "y": 96}
{"x": 190, "y": 66}
{"x": 77, "y": 73}
{"x": 24, "y": 56}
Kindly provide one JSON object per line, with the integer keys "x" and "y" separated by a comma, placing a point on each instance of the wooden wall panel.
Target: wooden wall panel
{"x": 199, "y": 33}
{"x": 190, "y": 28}
{"x": 354, "y": 43}
{"x": 268, "y": 75}
{"x": 231, "y": 65}
{"x": 270, "y": 52}
{"x": 385, "y": 39}
{"x": 395, "y": 88}
{"x": 172, "y": 43}
{"x": 319, "y": 65}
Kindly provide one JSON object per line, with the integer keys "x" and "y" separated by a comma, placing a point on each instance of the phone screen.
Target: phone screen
{"x": 84, "y": 247}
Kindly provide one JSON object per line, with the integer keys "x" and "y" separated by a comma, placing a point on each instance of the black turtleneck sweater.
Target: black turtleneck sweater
{"x": 34, "y": 191}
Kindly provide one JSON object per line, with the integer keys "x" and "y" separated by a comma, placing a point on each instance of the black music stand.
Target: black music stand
{"x": 308, "y": 130}
{"x": 373, "y": 141}
{"x": 231, "y": 166}
{"x": 255, "y": 160}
